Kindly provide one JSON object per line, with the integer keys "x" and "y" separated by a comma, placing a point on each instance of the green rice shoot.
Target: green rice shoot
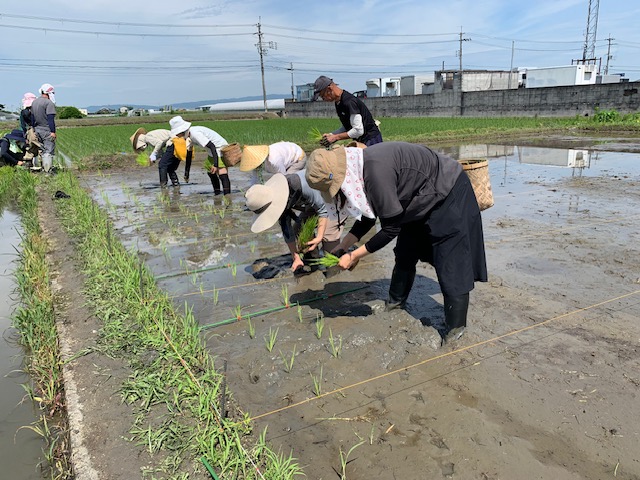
{"x": 307, "y": 233}
{"x": 329, "y": 260}
{"x": 143, "y": 160}
{"x": 315, "y": 135}
{"x": 208, "y": 163}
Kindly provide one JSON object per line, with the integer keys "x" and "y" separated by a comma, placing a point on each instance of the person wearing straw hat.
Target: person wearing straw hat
{"x": 12, "y": 147}
{"x": 43, "y": 110}
{"x": 289, "y": 200}
{"x": 158, "y": 139}
{"x": 213, "y": 143}
{"x": 357, "y": 121}
{"x": 423, "y": 199}
{"x": 279, "y": 157}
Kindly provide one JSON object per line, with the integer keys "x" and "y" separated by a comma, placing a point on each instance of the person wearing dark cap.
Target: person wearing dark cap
{"x": 43, "y": 110}
{"x": 357, "y": 122}
{"x": 12, "y": 147}
{"x": 422, "y": 198}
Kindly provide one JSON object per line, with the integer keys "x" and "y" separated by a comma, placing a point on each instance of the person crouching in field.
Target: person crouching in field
{"x": 426, "y": 201}
{"x": 289, "y": 200}
{"x": 212, "y": 142}
{"x": 279, "y": 157}
{"x": 160, "y": 140}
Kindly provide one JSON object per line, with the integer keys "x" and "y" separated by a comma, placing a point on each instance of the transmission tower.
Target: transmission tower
{"x": 589, "y": 52}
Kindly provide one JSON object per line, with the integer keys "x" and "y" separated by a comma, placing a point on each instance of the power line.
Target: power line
{"x": 123, "y": 34}
{"x": 119, "y": 24}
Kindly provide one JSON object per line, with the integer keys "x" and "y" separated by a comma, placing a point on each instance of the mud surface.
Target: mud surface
{"x": 544, "y": 384}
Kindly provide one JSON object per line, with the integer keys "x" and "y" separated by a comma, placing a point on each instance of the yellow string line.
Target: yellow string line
{"x": 438, "y": 357}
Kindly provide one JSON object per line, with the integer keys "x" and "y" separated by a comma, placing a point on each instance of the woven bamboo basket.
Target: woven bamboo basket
{"x": 478, "y": 172}
{"x": 231, "y": 154}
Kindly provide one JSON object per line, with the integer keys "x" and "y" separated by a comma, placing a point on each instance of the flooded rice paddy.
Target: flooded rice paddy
{"x": 548, "y": 364}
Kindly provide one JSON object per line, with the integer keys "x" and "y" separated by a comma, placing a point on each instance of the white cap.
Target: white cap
{"x": 48, "y": 89}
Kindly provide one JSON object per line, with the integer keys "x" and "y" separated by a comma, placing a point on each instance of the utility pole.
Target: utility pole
{"x": 609, "y": 56}
{"x": 262, "y": 49}
{"x": 293, "y": 97}
{"x": 462, "y": 39}
{"x": 513, "y": 43}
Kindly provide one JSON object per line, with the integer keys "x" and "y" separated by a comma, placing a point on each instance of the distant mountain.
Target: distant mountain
{"x": 187, "y": 105}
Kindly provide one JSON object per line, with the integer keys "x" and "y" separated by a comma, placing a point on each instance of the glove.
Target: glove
{"x": 152, "y": 157}
{"x": 324, "y": 142}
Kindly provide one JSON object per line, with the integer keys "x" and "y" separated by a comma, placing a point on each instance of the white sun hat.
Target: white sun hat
{"x": 178, "y": 125}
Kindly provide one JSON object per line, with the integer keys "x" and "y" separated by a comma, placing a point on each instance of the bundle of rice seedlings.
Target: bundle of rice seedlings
{"x": 315, "y": 135}
{"x": 307, "y": 233}
{"x": 143, "y": 160}
{"x": 208, "y": 163}
{"x": 329, "y": 260}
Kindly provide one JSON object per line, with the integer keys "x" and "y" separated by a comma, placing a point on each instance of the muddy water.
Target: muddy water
{"x": 562, "y": 236}
{"x": 20, "y": 451}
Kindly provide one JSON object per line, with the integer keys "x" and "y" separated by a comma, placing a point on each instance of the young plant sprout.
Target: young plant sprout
{"x": 288, "y": 361}
{"x": 284, "y": 294}
{"x": 251, "y": 329}
{"x": 335, "y": 347}
{"x": 299, "y": 308}
{"x": 143, "y": 160}
{"x": 270, "y": 341}
{"x": 317, "y": 383}
{"x": 307, "y": 233}
{"x": 319, "y": 325}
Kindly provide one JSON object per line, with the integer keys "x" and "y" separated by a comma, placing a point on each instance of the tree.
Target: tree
{"x": 69, "y": 112}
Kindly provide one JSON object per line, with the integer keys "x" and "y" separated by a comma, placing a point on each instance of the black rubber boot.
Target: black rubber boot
{"x": 215, "y": 183}
{"x": 174, "y": 178}
{"x": 401, "y": 283}
{"x": 226, "y": 183}
{"x": 455, "y": 316}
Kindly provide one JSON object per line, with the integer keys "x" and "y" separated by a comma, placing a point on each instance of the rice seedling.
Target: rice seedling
{"x": 335, "y": 347}
{"x": 344, "y": 460}
{"x": 319, "y": 325}
{"x": 329, "y": 260}
{"x": 215, "y": 295}
{"x": 299, "y": 309}
{"x": 251, "y": 329}
{"x": 234, "y": 269}
{"x": 317, "y": 383}
{"x": 270, "y": 341}
{"x": 237, "y": 311}
{"x": 288, "y": 361}
{"x": 284, "y": 295}
{"x": 307, "y": 233}
{"x": 252, "y": 247}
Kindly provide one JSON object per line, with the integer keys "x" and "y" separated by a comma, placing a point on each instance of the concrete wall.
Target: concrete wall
{"x": 551, "y": 101}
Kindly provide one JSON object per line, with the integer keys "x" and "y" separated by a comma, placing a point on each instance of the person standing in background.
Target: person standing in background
{"x": 357, "y": 122}
{"x": 43, "y": 110}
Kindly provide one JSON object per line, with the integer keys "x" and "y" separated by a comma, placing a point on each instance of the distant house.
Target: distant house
{"x": 398, "y": 86}
{"x": 124, "y": 110}
{"x": 475, "y": 80}
{"x": 304, "y": 93}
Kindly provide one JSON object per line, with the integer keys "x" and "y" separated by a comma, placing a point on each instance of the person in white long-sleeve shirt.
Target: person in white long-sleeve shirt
{"x": 213, "y": 143}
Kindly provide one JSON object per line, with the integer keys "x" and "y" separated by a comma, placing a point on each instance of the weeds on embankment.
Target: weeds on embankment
{"x": 174, "y": 387}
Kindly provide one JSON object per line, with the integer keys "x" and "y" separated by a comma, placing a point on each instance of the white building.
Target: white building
{"x": 562, "y": 76}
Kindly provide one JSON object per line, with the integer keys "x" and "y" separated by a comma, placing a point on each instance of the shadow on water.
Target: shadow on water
{"x": 20, "y": 450}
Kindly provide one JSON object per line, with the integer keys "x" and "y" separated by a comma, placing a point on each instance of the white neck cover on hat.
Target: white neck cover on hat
{"x": 353, "y": 187}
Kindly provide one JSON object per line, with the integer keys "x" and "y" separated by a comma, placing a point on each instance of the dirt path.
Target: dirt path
{"x": 544, "y": 384}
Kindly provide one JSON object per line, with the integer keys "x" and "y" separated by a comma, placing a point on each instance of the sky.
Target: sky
{"x": 162, "y": 52}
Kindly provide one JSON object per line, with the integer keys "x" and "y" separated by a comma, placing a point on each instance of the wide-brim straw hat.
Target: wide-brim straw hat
{"x": 134, "y": 139}
{"x": 267, "y": 202}
{"x": 326, "y": 170}
{"x": 253, "y": 156}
